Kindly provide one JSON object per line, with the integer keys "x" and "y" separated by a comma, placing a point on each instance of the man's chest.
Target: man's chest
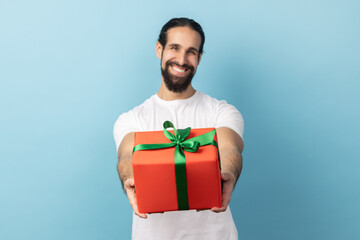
{"x": 194, "y": 117}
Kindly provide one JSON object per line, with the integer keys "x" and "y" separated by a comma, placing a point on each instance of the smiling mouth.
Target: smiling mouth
{"x": 179, "y": 69}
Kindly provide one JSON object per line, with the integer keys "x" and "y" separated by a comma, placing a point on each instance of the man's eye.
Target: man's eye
{"x": 175, "y": 48}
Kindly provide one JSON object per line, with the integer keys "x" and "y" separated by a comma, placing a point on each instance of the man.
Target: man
{"x": 180, "y": 48}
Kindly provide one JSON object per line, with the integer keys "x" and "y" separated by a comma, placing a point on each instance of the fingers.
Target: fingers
{"x": 227, "y": 189}
{"x": 133, "y": 203}
{"x": 130, "y": 191}
{"x": 224, "y": 204}
{"x": 218, "y": 210}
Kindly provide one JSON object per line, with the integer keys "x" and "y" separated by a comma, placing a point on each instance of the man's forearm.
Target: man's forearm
{"x": 231, "y": 161}
{"x": 230, "y": 148}
{"x": 124, "y": 168}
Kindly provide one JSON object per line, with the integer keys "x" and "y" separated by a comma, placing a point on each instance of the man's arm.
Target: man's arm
{"x": 230, "y": 147}
{"x": 125, "y": 171}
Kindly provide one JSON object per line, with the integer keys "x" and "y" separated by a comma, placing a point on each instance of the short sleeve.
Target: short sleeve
{"x": 124, "y": 125}
{"x": 228, "y": 116}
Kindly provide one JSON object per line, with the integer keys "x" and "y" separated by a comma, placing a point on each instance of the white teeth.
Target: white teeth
{"x": 178, "y": 69}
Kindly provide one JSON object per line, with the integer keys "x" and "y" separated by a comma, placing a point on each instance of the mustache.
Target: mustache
{"x": 168, "y": 63}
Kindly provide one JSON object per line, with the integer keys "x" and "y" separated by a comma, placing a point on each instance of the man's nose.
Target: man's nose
{"x": 182, "y": 58}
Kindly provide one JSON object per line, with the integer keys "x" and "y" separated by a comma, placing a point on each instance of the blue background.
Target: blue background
{"x": 69, "y": 68}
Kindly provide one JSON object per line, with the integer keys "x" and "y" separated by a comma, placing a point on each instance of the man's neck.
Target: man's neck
{"x": 167, "y": 95}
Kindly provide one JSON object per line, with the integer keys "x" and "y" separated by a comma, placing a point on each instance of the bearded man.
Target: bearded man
{"x": 180, "y": 48}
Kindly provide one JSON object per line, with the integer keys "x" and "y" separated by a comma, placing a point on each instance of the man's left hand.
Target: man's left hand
{"x": 228, "y": 183}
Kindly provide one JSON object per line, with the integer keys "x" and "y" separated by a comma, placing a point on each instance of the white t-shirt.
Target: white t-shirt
{"x": 198, "y": 111}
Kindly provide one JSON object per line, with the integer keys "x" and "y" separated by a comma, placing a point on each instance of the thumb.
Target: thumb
{"x": 225, "y": 176}
{"x": 130, "y": 182}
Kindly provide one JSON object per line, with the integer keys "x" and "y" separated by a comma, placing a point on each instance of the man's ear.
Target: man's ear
{"x": 159, "y": 49}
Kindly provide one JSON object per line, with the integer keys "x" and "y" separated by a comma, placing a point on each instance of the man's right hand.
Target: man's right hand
{"x": 125, "y": 171}
{"x": 129, "y": 187}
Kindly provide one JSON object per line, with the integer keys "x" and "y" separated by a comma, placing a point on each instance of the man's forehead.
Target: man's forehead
{"x": 184, "y": 36}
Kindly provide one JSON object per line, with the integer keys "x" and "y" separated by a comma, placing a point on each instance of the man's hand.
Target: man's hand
{"x": 131, "y": 193}
{"x": 126, "y": 173}
{"x": 230, "y": 148}
{"x": 228, "y": 183}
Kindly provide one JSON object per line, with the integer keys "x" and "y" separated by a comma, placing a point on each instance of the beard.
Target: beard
{"x": 175, "y": 83}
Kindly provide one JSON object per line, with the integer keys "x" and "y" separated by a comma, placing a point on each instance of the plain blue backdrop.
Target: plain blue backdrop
{"x": 69, "y": 68}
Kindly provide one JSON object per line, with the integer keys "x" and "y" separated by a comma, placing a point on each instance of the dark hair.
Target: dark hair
{"x": 181, "y": 22}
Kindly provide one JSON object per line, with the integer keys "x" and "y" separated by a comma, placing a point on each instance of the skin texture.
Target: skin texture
{"x": 182, "y": 48}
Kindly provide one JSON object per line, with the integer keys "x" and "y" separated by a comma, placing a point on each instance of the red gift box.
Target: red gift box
{"x": 155, "y": 178}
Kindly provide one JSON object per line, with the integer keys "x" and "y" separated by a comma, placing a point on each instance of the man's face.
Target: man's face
{"x": 179, "y": 57}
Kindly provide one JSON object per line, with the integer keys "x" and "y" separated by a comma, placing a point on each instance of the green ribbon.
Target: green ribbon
{"x": 190, "y": 145}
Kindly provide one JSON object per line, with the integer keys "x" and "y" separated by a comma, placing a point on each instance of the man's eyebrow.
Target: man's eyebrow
{"x": 174, "y": 45}
{"x": 178, "y": 45}
{"x": 194, "y": 49}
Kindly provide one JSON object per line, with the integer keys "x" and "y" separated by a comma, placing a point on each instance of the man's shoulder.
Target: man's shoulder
{"x": 212, "y": 101}
{"x": 139, "y": 108}
{"x": 130, "y": 119}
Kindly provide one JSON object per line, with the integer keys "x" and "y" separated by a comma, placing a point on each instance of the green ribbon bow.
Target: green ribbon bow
{"x": 190, "y": 145}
